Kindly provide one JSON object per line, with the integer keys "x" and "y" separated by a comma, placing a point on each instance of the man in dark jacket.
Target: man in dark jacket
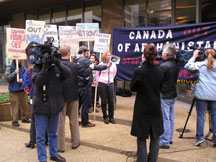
{"x": 70, "y": 94}
{"x": 17, "y": 94}
{"x": 47, "y": 103}
{"x": 168, "y": 94}
{"x": 85, "y": 79}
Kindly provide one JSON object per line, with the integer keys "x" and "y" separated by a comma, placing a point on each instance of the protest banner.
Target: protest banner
{"x": 128, "y": 44}
{"x": 69, "y": 36}
{"x": 35, "y": 31}
{"x": 16, "y": 44}
{"x": 102, "y": 42}
{"x": 87, "y": 31}
{"x": 50, "y": 31}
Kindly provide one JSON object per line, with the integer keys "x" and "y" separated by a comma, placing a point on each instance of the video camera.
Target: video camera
{"x": 35, "y": 52}
{"x": 201, "y": 54}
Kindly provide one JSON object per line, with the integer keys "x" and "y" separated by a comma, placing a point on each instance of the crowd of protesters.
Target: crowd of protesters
{"x": 59, "y": 89}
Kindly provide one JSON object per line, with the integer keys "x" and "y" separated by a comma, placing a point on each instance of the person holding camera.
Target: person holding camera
{"x": 48, "y": 78}
{"x": 70, "y": 94}
{"x": 85, "y": 79}
{"x": 170, "y": 71}
{"x": 106, "y": 88}
{"x": 147, "y": 117}
{"x": 204, "y": 92}
{"x": 17, "y": 94}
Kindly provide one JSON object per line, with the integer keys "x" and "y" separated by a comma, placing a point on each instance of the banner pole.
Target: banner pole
{"x": 17, "y": 67}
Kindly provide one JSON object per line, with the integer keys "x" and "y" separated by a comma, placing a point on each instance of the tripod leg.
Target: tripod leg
{"x": 189, "y": 114}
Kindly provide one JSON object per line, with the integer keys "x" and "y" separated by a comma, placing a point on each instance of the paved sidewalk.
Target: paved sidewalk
{"x": 110, "y": 142}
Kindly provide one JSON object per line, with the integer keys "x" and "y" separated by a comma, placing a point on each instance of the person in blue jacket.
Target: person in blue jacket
{"x": 204, "y": 92}
{"x": 17, "y": 94}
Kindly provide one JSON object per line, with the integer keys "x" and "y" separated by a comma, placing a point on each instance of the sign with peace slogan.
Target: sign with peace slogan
{"x": 102, "y": 42}
{"x": 35, "y": 31}
{"x": 50, "y": 31}
{"x": 16, "y": 44}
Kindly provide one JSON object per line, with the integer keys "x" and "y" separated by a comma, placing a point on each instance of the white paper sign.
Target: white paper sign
{"x": 102, "y": 42}
{"x": 50, "y": 31}
{"x": 87, "y": 31}
{"x": 34, "y": 31}
{"x": 69, "y": 36}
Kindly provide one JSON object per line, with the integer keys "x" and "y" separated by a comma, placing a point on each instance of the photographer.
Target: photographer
{"x": 85, "y": 79}
{"x": 147, "y": 116}
{"x": 170, "y": 72}
{"x": 204, "y": 92}
{"x": 48, "y": 101}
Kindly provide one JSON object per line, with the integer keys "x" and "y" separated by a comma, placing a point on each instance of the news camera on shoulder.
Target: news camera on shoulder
{"x": 45, "y": 54}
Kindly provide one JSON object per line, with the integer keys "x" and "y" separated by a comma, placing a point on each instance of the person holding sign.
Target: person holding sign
{"x": 106, "y": 88}
{"x": 147, "y": 117}
{"x": 17, "y": 94}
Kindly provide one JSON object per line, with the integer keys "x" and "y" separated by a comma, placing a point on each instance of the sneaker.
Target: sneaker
{"x": 164, "y": 147}
{"x": 89, "y": 125}
{"x": 198, "y": 142}
{"x": 214, "y": 145}
{"x": 61, "y": 151}
{"x": 15, "y": 124}
{"x": 171, "y": 142}
{"x": 106, "y": 121}
{"x": 75, "y": 147}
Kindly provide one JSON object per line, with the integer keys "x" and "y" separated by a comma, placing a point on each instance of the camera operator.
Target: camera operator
{"x": 85, "y": 79}
{"x": 48, "y": 101}
{"x": 170, "y": 71}
{"x": 204, "y": 92}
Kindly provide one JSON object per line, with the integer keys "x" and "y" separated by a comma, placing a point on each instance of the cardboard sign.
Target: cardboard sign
{"x": 69, "y": 36}
{"x": 35, "y": 31}
{"x": 87, "y": 31}
{"x": 102, "y": 42}
{"x": 16, "y": 44}
{"x": 50, "y": 31}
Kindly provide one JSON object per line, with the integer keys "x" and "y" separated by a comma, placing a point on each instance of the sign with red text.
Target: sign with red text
{"x": 35, "y": 31}
{"x": 128, "y": 44}
{"x": 102, "y": 42}
{"x": 69, "y": 36}
{"x": 87, "y": 31}
{"x": 16, "y": 44}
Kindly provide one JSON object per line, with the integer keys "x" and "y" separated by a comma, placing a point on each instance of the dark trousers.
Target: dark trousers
{"x": 85, "y": 97}
{"x": 32, "y": 130}
{"x": 142, "y": 151}
{"x": 107, "y": 94}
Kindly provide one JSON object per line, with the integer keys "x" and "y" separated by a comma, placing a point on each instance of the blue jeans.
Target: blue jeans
{"x": 201, "y": 106}
{"x": 168, "y": 112}
{"x": 49, "y": 123}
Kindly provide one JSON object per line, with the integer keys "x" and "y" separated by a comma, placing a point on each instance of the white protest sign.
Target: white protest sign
{"x": 69, "y": 36}
{"x": 16, "y": 44}
{"x": 50, "y": 31}
{"x": 102, "y": 42}
{"x": 87, "y": 31}
{"x": 34, "y": 31}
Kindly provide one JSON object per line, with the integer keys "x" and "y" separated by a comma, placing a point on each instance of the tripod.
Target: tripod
{"x": 189, "y": 114}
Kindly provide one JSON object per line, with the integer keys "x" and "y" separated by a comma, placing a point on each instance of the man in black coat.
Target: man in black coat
{"x": 170, "y": 72}
{"x": 70, "y": 94}
{"x": 47, "y": 103}
{"x": 85, "y": 79}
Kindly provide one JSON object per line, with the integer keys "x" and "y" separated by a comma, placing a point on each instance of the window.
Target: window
{"x": 59, "y": 15}
{"x": 74, "y": 15}
{"x": 44, "y": 15}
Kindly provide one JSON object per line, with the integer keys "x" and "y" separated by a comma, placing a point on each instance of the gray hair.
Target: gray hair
{"x": 170, "y": 50}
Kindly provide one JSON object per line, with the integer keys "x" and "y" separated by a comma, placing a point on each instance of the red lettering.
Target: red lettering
{"x": 124, "y": 60}
{"x": 187, "y": 32}
{"x": 196, "y": 32}
{"x": 130, "y": 60}
{"x": 206, "y": 28}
